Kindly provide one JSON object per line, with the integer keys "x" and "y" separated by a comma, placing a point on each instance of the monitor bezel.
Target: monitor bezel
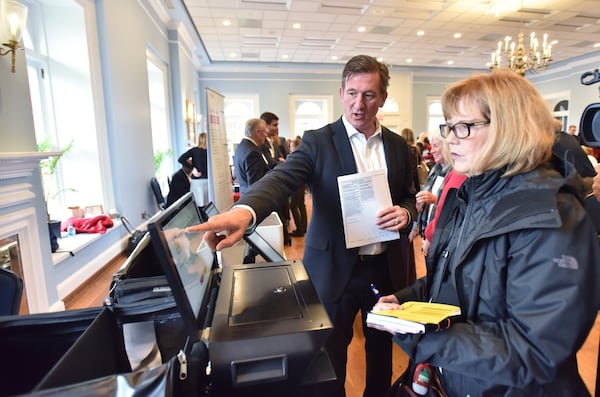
{"x": 263, "y": 247}
{"x": 256, "y": 241}
{"x": 193, "y": 323}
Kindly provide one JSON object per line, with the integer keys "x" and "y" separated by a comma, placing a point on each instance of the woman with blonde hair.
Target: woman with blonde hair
{"x": 428, "y": 195}
{"x": 513, "y": 248}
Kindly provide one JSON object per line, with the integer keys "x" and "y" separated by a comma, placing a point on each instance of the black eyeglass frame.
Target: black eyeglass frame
{"x": 451, "y": 128}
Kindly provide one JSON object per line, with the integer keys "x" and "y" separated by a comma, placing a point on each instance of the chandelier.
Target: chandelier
{"x": 520, "y": 58}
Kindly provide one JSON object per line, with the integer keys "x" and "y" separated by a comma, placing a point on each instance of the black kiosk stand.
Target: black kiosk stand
{"x": 263, "y": 324}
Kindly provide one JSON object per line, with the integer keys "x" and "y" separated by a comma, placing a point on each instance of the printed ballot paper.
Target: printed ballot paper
{"x": 415, "y": 317}
{"x": 363, "y": 196}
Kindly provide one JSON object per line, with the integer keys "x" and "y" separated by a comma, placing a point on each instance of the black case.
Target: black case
{"x": 141, "y": 277}
{"x": 32, "y": 344}
{"x": 101, "y": 349}
{"x": 56, "y": 349}
{"x": 98, "y": 364}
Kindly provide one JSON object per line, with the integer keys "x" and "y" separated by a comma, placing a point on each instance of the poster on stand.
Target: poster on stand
{"x": 219, "y": 172}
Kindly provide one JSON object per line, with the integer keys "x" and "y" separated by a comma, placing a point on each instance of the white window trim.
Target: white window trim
{"x": 89, "y": 9}
{"x": 295, "y": 98}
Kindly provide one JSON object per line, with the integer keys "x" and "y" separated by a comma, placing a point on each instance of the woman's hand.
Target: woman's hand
{"x": 424, "y": 197}
{"x": 388, "y": 302}
{"x": 425, "y": 247}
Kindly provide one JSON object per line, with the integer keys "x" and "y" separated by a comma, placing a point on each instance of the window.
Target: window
{"x": 60, "y": 74}
{"x": 389, "y": 115}
{"x": 309, "y": 112}
{"x": 435, "y": 115}
{"x": 238, "y": 109}
{"x": 159, "y": 119}
{"x": 561, "y": 112}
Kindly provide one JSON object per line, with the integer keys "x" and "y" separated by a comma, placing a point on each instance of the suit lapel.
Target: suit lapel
{"x": 391, "y": 158}
{"x": 343, "y": 148}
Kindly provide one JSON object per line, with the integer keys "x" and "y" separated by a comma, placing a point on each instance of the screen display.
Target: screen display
{"x": 191, "y": 255}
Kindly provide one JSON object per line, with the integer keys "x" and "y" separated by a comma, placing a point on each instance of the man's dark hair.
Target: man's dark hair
{"x": 268, "y": 117}
{"x": 366, "y": 64}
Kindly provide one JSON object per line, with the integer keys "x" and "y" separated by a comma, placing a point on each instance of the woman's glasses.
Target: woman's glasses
{"x": 461, "y": 130}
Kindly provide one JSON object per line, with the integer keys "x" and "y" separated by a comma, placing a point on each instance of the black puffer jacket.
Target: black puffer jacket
{"x": 521, "y": 258}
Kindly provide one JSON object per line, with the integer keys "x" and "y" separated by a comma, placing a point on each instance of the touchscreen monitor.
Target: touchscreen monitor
{"x": 186, "y": 258}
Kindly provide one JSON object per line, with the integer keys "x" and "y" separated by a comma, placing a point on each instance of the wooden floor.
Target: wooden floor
{"x": 93, "y": 292}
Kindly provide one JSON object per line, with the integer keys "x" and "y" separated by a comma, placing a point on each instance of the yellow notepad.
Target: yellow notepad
{"x": 414, "y": 317}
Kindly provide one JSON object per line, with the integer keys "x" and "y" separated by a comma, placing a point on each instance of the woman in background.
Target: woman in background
{"x": 197, "y": 157}
{"x": 427, "y": 197}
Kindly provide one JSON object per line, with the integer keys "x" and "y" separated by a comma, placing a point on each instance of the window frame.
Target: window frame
{"x": 326, "y": 115}
{"x": 37, "y": 58}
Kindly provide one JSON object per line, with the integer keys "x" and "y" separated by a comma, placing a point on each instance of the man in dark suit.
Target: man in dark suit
{"x": 272, "y": 151}
{"x": 249, "y": 162}
{"x": 355, "y": 143}
{"x": 270, "y": 148}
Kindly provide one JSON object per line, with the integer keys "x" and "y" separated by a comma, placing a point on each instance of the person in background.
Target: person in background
{"x": 573, "y": 132}
{"x": 414, "y": 154}
{"x": 426, "y": 153}
{"x": 273, "y": 152}
{"x": 180, "y": 183}
{"x": 428, "y": 196}
{"x": 514, "y": 249}
{"x": 453, "y": 180}
{"x": 197, "y": 156}
{"x": 297, "y": 205}
{"x": 270, "y": 147}
{"x": 356, "y": 143}
{"x": 567, "y": 154}
{"x": 250, "y": 165}
{"x": 249, "y": 161}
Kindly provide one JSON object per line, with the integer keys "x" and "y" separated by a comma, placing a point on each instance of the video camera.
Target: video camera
{"x": 589, "y": 126}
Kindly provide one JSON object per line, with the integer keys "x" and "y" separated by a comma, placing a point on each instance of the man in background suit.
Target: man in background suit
{"x": 272, "y": 151}
{"x": 270, "y": 148}
{"x": 249, "y": 162}
{"x": 355, "y": 143}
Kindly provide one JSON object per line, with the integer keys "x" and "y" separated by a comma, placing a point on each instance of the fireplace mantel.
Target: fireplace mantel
{"x": 21, "y": 164}
{"x": 18, "y": 217}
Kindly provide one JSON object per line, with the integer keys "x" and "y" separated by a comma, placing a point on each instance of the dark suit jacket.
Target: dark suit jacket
{"x": 249, "y": 164}
{"x": 323, "y": 155}
{"x": 266, "y": 150}
{"x": 180, "y": 185}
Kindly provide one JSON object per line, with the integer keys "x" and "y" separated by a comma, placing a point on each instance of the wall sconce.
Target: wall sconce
{"x": 190, "y": 120}
{"x": 13, "y": 17}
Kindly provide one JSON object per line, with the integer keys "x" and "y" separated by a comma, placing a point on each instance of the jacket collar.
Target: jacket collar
{"x": 342, "y": 145}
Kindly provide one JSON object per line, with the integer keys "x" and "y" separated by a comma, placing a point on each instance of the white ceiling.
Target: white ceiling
{"x": 262, "y": 30}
